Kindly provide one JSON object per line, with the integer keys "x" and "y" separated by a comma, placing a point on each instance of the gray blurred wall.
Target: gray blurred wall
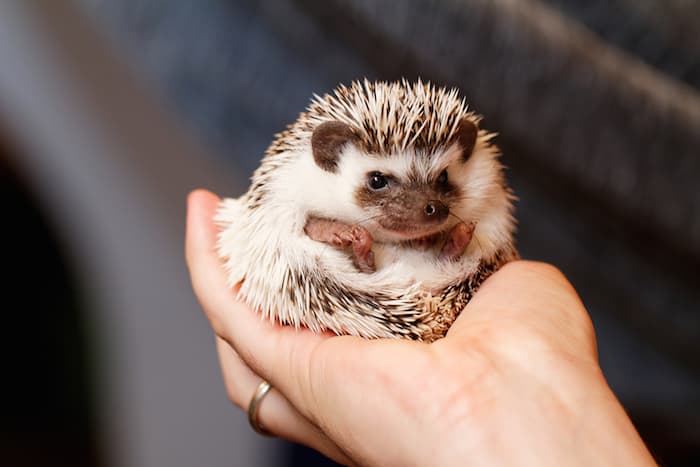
{"x": 112, "y": 168}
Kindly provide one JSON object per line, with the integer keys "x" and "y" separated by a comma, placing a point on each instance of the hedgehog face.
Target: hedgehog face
{"x": 405, "y": 206}
{"x": 406, "y": 195}
{"x": 398, "y": 137}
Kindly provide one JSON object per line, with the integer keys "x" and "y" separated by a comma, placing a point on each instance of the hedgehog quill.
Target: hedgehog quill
{"x": 378, "y": 213}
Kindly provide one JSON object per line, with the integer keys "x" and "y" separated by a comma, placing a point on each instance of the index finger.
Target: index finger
{"x": 282, "y": 355}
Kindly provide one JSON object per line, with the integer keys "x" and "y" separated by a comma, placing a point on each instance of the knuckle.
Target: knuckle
{"x": 543, "y": 270}
{"x": 551, "y": 272}
{"x": 251, "y": 359}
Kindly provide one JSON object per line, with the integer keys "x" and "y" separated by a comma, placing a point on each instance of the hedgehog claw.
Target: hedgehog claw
{"x": 362, "y": 249}
{"x": 341, "y": 235}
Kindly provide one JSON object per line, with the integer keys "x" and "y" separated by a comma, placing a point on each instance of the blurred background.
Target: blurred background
{"x": 112, "y": 110}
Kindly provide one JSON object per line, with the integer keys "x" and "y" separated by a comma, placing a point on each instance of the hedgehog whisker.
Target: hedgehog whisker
{"x": 457, "y": 217}
{"x": 481, "y": 249}
{"x": 370, "y": 218}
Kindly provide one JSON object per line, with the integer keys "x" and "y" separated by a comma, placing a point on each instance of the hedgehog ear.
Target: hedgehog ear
{"x": 466, "y": 137}
{"x": 326, "y": 142}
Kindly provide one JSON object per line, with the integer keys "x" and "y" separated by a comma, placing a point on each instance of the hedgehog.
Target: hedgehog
{"x": 378, "y": 213}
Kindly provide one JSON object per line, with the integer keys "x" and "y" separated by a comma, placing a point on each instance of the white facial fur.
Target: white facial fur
{"x": 306, "y": 189}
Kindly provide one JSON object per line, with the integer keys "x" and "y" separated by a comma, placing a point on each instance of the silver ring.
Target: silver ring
{"x": 260, "y": 393}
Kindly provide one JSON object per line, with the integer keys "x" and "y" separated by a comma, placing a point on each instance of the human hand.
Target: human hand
{"x": 515, "y": 382}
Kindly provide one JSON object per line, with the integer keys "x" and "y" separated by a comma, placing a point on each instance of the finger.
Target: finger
{"x": 204, "y": 266}
{"x": 226, "y": 313}
{"x": 280, "y": 354}
{"x": 275, "y": 413}
{"x": 535, "y": 296}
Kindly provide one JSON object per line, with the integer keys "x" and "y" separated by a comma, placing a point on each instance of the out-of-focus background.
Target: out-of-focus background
{"x": 112, "y": 110}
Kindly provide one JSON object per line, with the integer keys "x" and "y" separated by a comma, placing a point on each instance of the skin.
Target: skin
{"x": 516, "y": 381}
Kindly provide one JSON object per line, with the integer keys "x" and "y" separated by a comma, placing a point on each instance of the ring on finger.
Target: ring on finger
{"x": 254, "y": 407}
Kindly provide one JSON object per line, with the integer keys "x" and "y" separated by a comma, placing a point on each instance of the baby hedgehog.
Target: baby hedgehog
{"x": 378, "y": 213}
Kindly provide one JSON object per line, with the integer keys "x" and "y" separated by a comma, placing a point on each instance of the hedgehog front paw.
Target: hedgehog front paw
{"x": 341, "y": 235}
{"x": 363, "y": 256}
{"x": 457, "y": 241}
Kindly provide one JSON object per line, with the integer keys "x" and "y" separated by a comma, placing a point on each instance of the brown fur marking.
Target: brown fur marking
{"x": 466, "y": 137}
{"x": 326, "y": 142}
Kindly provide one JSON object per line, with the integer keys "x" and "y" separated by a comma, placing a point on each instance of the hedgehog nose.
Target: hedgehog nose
{"x": 436, "y": 211}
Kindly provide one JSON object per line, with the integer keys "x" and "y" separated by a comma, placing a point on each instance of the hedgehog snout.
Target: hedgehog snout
{"x": 411, "y": 216}
{"x": 435, "y": 211}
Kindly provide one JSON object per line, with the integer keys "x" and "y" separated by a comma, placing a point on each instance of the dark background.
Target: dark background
{"x": 598, "y": 114}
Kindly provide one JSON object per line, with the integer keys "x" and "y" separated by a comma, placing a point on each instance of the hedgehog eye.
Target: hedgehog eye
{"x": 442, "y": 178}
{"x": 377, "y": 181}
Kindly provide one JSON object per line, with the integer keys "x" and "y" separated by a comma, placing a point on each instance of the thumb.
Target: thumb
{"x": 531, "y": 297}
